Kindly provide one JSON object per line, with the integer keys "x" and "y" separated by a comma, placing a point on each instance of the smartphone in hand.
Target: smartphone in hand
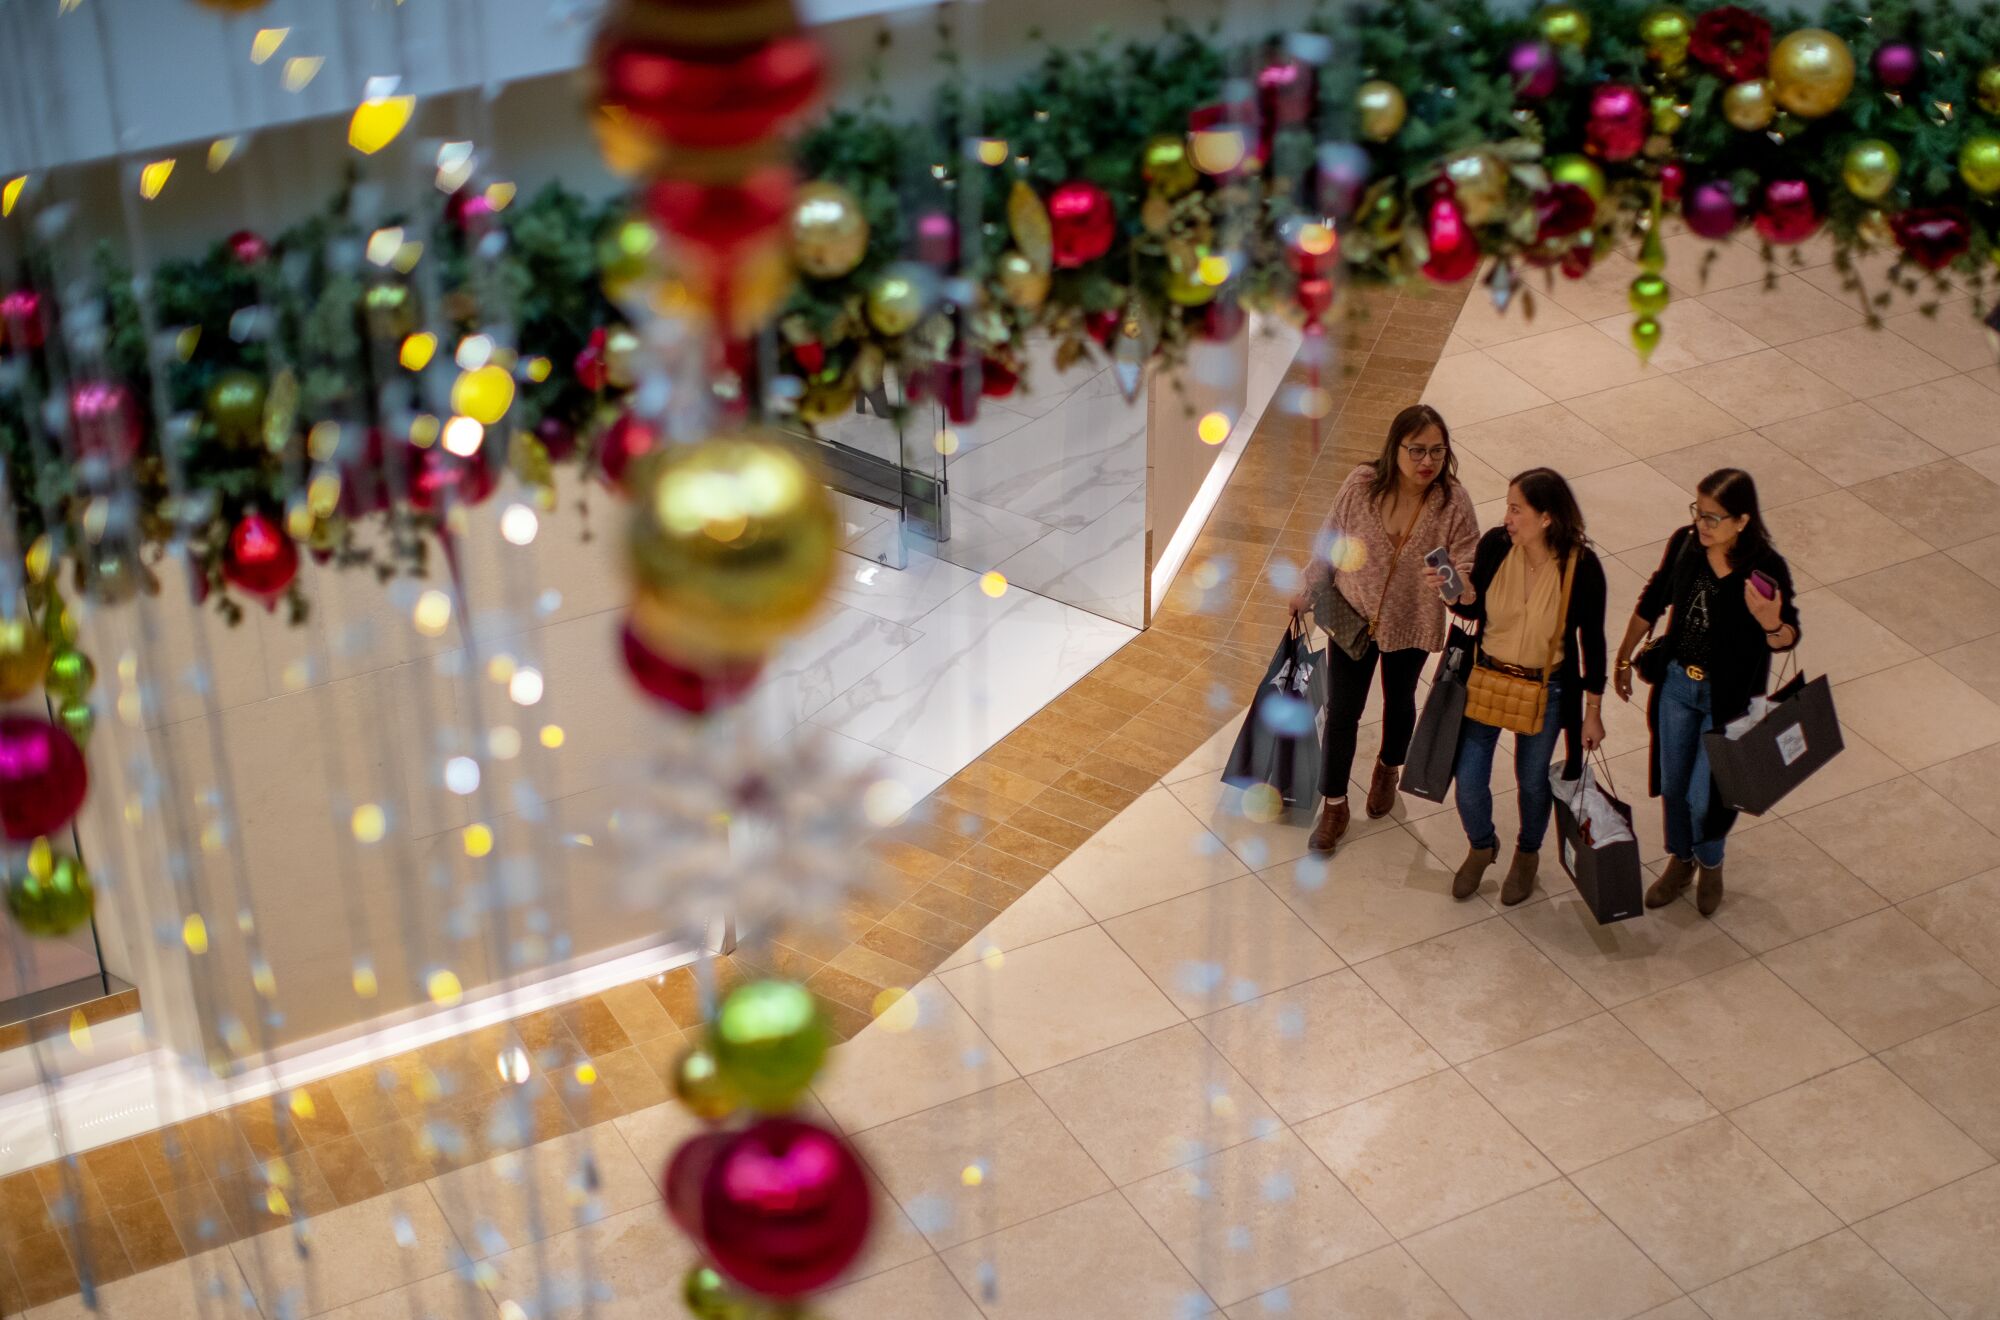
{"x": 1767, "y": 586}
{"x": 1454, "y": 586}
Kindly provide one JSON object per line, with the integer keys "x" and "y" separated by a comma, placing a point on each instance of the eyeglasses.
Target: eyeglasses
{"x": 1433, "y": 454}
{"x": 1708, "y": 520}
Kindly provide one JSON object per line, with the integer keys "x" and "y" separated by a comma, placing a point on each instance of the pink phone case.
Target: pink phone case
{"x": 1766, "y": 587}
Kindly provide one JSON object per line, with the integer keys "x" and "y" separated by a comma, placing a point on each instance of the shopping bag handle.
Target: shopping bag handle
{"x": 1603, "y": 769}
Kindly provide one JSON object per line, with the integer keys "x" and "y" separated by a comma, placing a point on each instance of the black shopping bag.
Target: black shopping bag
{"x": 1279, "y": 742}
{"x": 1602, "y": 863}
{"x": 1798, "y": 735}
{"x": 1433, "y": 758}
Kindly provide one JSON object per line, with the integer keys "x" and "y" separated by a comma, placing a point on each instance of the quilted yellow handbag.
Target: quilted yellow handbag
{"x": 1510, "y": 697}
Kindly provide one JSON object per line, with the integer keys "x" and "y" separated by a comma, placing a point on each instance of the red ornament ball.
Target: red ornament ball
{"x": 1578, "y": 260}
{"x": 1314, "y": 298}
{"x": 1222, "y": 320}
{"x": 247, "y": 248}
{"x": 1454, "y": 249}
{"x": 1103, "y": 325}
{"x": 439, "y": 478}
{"x": 261, "y": 560}
{"x": 1284, "y": 93}
{"x": 42, "y": 778}
{"x": 1933, "y": 236}
{"x": 21, "y": 319}
{"x": 104, "y": 417}
{"x": 1673, "y": 178}
{"x": 937, "y": 240}
{"x": 625, "y": 440}
{"x": 467, "y": 207}
{"x": 996, "y": 379}
{"x": 1787, "y": 214}
{"x": 785, "y": 1208}
{"x": 1536, "y": 70}
{"x": 687, "y": 1171}
{"x": 722, "y": 219}
{"x": 1711, "y": 209}
{"x": 1619, "y": 122}
{"x": 593, "y": 372}
{"x": 558, "y": 438}
{"x": 685, "y": 688}
{"x": 1082, "y": 221}
{"x": 710, "y": 102}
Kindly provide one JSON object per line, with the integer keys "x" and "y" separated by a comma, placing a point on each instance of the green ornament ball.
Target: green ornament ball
{"x": 236, "y": 407}
{"x": 1979, "y": 163}
{"x": 1645, "y": 336}
{"x": 1564, "y": 25}
{"x": 79, "y": 717}
{"x": 709, "y": 1297}
{"x": 769, "y": 1040}
{"x": 71, "y": 674}
{"x": 1870, "y": 169}
{"x": 700, "y": 1085}
{"x": 1581, "y": 171}
{"x": 1666, "y": 33}
{"x": 51, "y": 899}
{"x": 1648, "y": 295}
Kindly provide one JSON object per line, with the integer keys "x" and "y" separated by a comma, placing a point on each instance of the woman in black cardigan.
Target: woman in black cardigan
{"x": 1512, "y": 602}
{"x": 1731, "y": 595}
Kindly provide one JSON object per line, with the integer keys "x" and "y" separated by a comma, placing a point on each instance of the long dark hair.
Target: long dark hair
{"x": 1548, "y": 494}
{"x": 1413, "y": 420}
{"x": 1736, "y": 491}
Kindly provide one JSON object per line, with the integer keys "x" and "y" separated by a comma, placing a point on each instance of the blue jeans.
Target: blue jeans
{"x": 1684, "y": 777}
{"x": 1474, "y": 777}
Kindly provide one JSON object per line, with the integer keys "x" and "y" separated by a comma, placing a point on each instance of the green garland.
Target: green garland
{"x": 1083, "y": 113}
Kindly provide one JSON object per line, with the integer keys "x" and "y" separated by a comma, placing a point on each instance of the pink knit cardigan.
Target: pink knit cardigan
{"x": 1412, "y": 615}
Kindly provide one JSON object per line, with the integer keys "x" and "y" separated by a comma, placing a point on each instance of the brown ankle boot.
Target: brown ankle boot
{"x": 1333, "y": 817}
{"x": 1382, "y": 790}
{"x": 1520, "y": 880}
{"x": 1708, "y": 891}
{"x": 1673, "y": 882}
{"x": 1471, "y": 872}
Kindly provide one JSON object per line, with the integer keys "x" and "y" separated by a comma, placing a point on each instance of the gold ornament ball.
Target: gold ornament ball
{"x": 1186, "y": 288}
{"x": 390, "y": 311}
{"x": 70, "y": 674}
{"x": 1022, "y": 284}
{"x": 829, "y": 233}
{"x": 1382, "y": 109}
{"x": 50, "y": 895}
{"x": 1666, "y": 32}
{"x": 1668, "y": 116}
{"x": 1581, "y": 171}
{"x": 699, "y": 1085}
{"x": 236, "y": 407}
{"x": 24, "y": 657}
{"x": 1648, "y": 295}
{"x": 733, "y": 542}
{"x": 826, "y": 401}
{"x": 1813, "y": 71}
{"x": 1870, "y": 168}
{"x": 1750, "y": 106}
{"x": 628, "y": 259}
{"x": 896, "y": 300}
{"x": 622, "y": 349}
{"x": 1874, "y": 229}
{"x": 1979, "y": 163}
{"x": 1986, "y": 89}
{"x": 1166, "y": 165}
{"x": 1480, "y": 183}
{"x": 1564, "y": 25}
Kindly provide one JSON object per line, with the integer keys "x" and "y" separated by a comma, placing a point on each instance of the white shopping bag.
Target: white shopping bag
{"x": 1600, "y": 821}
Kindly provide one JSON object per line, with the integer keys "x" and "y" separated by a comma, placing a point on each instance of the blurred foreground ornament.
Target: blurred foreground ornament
{"x": 24, "y": 657}
{"x": 440, "y": 479}
{"x": 1022, "y": 284}
{"x": 42, "y": 778}
{"x": 49, "y": 894}
{"x": 785, "y": 1208}
{"x": 390, "y": 311}
{"x": 687, "y": 689}
{"x": 1581, "y": 171}
{"x": 829, "y": 232}
{"x": 768, "y": 1041}
{"x": 700, "y": 1086}
{"x": 1454, "y": 249}
{"x": 1382, "y": 109}
{"x": 1645, "y": 337}
{"x": 1165, "y": 165}
{"x": 233, "y": 6}
{"x": 629, "y": 438}
{"x": 1082, "y": 224}
{"x": 1648, "y": 295}
{"x": 71, "y": 675}
{"x": 1564, "y": 25}
{"x": 718, "y": 98}
{"x": 248, "y": 248}
{"x": 261, "y": 560}
{"x": 21, "y": 320}
{"x": 937, "y": 244}
{"x": 1535, "y": 69}
{"x": 236, "y": 408}
{"x": 105, "y": 418}
{"x": 1812, "y": 71}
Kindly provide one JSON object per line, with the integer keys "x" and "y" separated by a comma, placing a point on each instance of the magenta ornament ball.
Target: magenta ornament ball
{"x": 1535, "y": 70}
{"x": 1786, "y": 214}
{"x": 42, "y": 778}
{"x": 784, "y": 1208}
{"x": 1896, "y": 65}
{"x": 1711, "y": 209}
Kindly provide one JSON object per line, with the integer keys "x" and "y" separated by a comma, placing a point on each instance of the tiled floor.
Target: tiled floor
{"x": 1200, "y": 1073}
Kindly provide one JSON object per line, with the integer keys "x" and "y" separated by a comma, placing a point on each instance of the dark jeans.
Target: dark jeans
{"x": 1347, "y": 693}
{"x": 1532, "y": 754}
{"x": 1685, "y": 782}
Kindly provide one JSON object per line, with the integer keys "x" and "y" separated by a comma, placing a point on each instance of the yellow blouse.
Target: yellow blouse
{"x": 1521, "y": 624}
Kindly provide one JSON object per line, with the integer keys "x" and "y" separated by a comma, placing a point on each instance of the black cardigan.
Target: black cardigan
{"x": 1741, "y": 664}
{"x": 1582, "y": 669}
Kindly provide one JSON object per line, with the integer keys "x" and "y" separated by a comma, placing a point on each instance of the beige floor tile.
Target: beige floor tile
{"x": 1866, "y": 362}
{"x": 1472, "y": 387}
{"x": 1836, "y": 1278}
{"x": 1851, "y": 444}
{"x": 1873, "y": 276}
{"x": 1738, "y": 1035}
{"x": 1919, "y": 713}
{"x": 1947, "y": 503}
{"x": 1842, "y": 641}
{"x": 1629, "y": 506}
{"x": 910, "y": 1060}
{"x": 1681, "y": 1308}
{"x": 1426, "y": 1152}
{"x": 1045, "y": 910}
{"x": 1953, "y": 335}
{"x": 1954, "y": 415}
{"x": 1957, "y": 1069}
{"x": 1026, "y": 1164}
{"x": 1544, "y": 1255}
{"x": 1705, "y": 1203}
{"x": 1155, "y": 849}
{"x": 1981, "y": 556}
{"x": 1476, "y": 990}
{"x": 1882, "y": 979}
{"x": 1978, "y": 664}
{"x": 1860, "y": 1139}
{"x": 1603, "y": 290}
{"x": 627, "y": 1267}
{"x": 355, "y": 1252}
{"x": 1210, "y": 758}
{"x": 1943, "y": 1243}
{"x": 1550, "y": 436}
{"x": 1482, "y": 325}
{"x": 1654, "y": 416}
{"x": 1381, "y": 893}
{"x": 1781, "y": 478}
{"x": 1224, "y": 945}
{"x": 1908, "y": 841}
{"x": 206, "y": 1287}
{"x": 1836, "y": 536}
{"x": 1381, "y": 1284}
{"x": 1986, "y": 462}
{"x": 1763, "y": 389}
{"x": 654, "y": 1133}
{"x": 1860, "y": 765}
{"x": 1625, "y": 960}
{"x": 1965, "y": 918}
{"x": 1251, "y": 1217}
{"x": 1586, "y": 1092}
{"x": 1028, "y": 1002}
{"x": 1319, "y": 1045}
{"x": 545, "y": 1189}
{"x": 441, "y": 1297}
{"x": 922, "y": 1290}
{"x": 1791, "y": 311}
{"x": 1454, "y": 345}
{"x": 1154, "y": 1103}
{"x": 1780, "y": 887}
{"x": 1262, "y": 844}
{"x": 1706, "y": 266}
{"x": 1096, "y": 1259}
{"x": 1968, "y": 782}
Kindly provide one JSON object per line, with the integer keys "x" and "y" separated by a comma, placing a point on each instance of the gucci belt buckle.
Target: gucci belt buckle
{"x": 1695, "y": 672}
